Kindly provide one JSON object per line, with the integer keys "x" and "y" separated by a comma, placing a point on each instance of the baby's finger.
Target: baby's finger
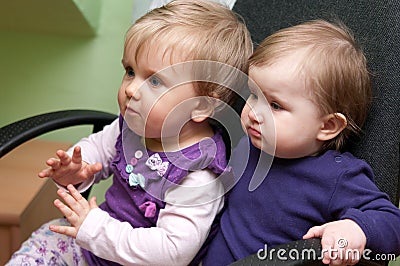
{"x": 346, "y": 256}
{"x": 336, "y": 260}
{"x": 65, "y": 230}
{"x": 64, "y": 157}
{"x": 77, "y": 156}
{"x": 75, "y": 193}
{"x": 315, "y": 231}
{"x": 66, "y": 211}
{"x": 70, "y": 201}
{"x": 92, "y": 169}
{"x": 45, "y": 173}
{"x": 353, "y": 260}
{"x": 81, "y": 205}
{"x": 328, "y": 244}
{"x": 53, "y": 163}
{"x": 93, "y": 203}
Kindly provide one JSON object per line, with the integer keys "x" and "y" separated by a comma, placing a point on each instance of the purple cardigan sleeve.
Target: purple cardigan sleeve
{"x": 370, "y": 208}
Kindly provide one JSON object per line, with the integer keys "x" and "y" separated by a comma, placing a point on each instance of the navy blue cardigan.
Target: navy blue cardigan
{"x": 297, "y": 194}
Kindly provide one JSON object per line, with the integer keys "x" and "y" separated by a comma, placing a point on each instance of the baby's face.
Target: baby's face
{"x": 279, "y": 117}
{"x": 151, "y": 98}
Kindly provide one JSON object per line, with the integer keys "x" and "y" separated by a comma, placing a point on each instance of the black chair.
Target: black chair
{"x": 376, "y": 25}
{"x": 17, "y": 133}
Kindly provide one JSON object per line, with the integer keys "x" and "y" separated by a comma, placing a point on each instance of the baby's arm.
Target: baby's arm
{"x": 357, "y": 204}
{"x": 182, "y": 227}
{"x": 343, "y": 241}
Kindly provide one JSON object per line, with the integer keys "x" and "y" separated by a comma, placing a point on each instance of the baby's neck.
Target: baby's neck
{"x": 189, "y": 135}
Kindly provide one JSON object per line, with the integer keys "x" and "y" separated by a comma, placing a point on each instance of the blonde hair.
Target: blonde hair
{"x": 335, "y": 68}
{"x": 198, "y": 30}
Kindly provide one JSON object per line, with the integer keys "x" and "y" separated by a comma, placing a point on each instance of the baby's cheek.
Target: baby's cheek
{"x": 122, "y": 106}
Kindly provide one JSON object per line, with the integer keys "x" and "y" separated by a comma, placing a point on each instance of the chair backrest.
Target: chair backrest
{"x": 376, "y": 25}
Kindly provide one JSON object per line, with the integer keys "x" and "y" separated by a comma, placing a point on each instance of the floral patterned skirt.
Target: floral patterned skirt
{"x": 45, "y": 247}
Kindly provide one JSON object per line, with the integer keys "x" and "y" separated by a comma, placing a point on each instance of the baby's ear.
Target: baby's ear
{"x": 332, "y": 125}
{"x": 204, "y": 109}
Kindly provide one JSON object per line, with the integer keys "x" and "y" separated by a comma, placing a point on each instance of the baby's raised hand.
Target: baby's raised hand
{"x": 66, "y": 170}
{"x": 76, "y": 212}
{"x": 343, "y": 241}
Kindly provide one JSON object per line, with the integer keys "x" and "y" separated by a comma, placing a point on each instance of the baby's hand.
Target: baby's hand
{"x": 69, "y": 170}
{"x": 76, "y": 212}
{"x": 343, "y": 241}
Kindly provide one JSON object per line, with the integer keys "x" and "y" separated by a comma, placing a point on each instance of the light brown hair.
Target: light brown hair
{"x": 199, "y": 30}
{"x": 335, "y": 68}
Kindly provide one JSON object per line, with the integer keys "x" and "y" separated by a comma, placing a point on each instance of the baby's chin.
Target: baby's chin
{"x": 279, "y": 153}
{"x": 291, "y": 154}
{"x": 265, "y": 147}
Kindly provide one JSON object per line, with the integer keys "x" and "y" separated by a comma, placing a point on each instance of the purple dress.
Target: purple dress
{"x": 141, "y": 178}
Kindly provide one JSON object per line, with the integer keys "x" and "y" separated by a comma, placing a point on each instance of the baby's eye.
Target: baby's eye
{"x": 154, "y": 81}
{"x": 275, "y": 106}
{"x": 129, "y": 72}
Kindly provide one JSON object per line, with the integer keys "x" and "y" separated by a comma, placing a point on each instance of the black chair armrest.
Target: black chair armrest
{"x": 302, "y": 252}
{"x": 14, "y": 134}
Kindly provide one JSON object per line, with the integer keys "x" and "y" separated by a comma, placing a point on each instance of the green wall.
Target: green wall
{"x": 42, "y": 72}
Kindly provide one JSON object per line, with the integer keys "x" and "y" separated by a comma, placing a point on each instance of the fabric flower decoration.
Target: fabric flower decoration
{"x": 149, "y": 209}
{"x": 155, "y": 163}
{"x": 162, "y": 168}
{"x": 136, "y": 179}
